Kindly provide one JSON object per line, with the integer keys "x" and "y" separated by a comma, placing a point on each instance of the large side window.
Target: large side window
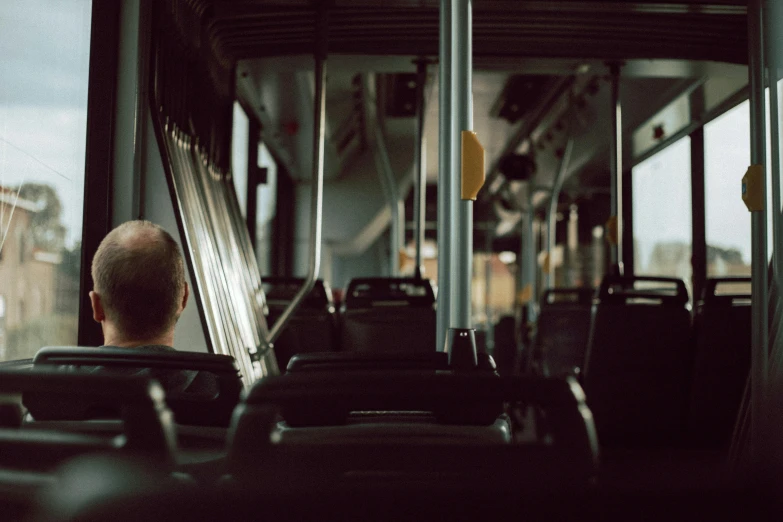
{"x": 726, "y": 156}
{"x": 662, "y": 224}
{"x": 43, "y": 119}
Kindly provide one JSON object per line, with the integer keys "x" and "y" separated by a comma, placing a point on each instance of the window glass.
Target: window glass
{"x": 662, "y": 230}
{"x": 239, "y": 140}
{"x": 43, "y": 119}
{"x": 726, "y": 157}
{"x": 266, "y": 208}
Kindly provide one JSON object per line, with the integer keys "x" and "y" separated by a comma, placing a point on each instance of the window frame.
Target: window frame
{"x": 99, "y": 153}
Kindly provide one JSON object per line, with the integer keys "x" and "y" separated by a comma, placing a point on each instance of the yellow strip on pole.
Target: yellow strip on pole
{"x": 473, "y": 171}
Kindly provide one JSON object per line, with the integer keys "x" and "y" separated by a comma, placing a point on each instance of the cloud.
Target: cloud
{"x": 45, "y": 51}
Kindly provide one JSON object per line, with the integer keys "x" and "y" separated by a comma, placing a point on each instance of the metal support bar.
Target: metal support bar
{"x": 489, "y": 336}
{"x": 616, "y": 165}
{"x": 420, "y": 168}
{"x": 773, "y": 65}
{"x": 529, "y": 262}
{"x": 317, "y": 189}
{"x": 551, "y": 226}
{"x": 462, "y": 211}
{"x": 445, "y": 188}
{"x": 141, "y": 109}
{"x": 759, "y": 338}
{"x": 396, "y": 205}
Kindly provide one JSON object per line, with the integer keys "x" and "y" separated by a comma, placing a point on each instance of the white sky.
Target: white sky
{"x": 44, "y": 60}
{"x": 662, "y": 199}
{"x": 662, "y": 206}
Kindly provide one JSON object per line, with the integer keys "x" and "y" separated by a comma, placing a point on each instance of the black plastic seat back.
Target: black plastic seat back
{"x": 381, "y": 361}
{"x": 638, "y": 361}
{"x": 474, "y": 400}
{"x": 201, "y": 389}
{"x": 389, "y": 315}
{"x": 367, "y": 361}
{"x": 722, "y": 331}
{"x": 147, "y": 421}
{"x": 563, "y": 331}
{"x": 312, "y": 327}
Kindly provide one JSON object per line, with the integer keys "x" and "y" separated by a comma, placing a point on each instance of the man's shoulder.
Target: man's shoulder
{"x": 146, "y": 347}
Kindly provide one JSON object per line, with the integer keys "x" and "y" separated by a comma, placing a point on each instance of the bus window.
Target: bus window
{"x": 43, "y": 122}
{"x": 239, "y": 139}
{"x": 266, "y": 194}
{"x": 662, "y": 230}
{"x": 726, "y": 156}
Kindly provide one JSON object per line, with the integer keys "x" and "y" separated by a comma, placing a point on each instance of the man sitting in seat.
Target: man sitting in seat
{"x": 139, "y": 286}
{"x": 139, "y": 292}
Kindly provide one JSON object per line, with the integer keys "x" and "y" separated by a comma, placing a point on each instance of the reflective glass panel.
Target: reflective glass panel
{"x": 662, "y": 229}
{"x": 43, "y": 117}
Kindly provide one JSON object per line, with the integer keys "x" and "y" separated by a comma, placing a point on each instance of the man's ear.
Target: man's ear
{"x": 185, "y": 296}
{"x": 98, "y": 314}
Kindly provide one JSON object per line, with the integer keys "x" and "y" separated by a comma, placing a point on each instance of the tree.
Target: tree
{"x": 48, "y": 233}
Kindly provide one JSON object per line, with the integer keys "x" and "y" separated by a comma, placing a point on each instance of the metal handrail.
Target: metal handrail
{"x": 557, "y": 185}
{"x": 420, "y": 170}
{"x": 317, "y": 191}
{"x": 759, "y": 310}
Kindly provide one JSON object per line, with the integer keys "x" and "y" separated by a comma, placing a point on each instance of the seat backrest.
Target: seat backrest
{"x": 638, "y": 361}
{"x": 563, "y": 330}
{"x": 389, "y": 315}
{"x": 473, "y": 401}
{"x": 312, "y": 327}
{"x": 381, "y": 361}
{"x": 201, "y": 389}
{"x": 147, "y": 423}
{"x": 722, "y": 331}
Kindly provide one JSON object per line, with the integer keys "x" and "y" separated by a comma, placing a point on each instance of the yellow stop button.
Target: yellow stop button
{"x": 753, "y": 188}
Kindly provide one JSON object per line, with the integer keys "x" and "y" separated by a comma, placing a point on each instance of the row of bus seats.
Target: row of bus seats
{"x": 653, "y": 376}
{"x": 377, "y": 315}
{"x": 393, "y": 422}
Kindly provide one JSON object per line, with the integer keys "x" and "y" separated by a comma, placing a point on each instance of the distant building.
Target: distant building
{"x": 27, "y": 274}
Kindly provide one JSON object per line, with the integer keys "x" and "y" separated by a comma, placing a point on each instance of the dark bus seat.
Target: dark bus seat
{"x": 201, "y": 389}
{"x": 312, "y": 327}
{"x": 638, "y": 361}
{"x": 342, "y": 361}
{"x": 391, "y": 361}
{"x": 341, "y": 409}
{"x": 389, "y": 315}
{"x": 722, "y": 331}
{"x": 563, "y": 330}
{"x": 147, "y": 423}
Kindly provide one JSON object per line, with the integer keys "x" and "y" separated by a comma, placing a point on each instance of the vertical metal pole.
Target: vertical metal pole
{"x": 773, "y": 66}
{"x": 445, "y": 189}
{"x": 462, "y": 211}
{"x": 488, "y": 310}
{"x": 317, "y": 194}
{"x": 759, "y": 338}
{"x": 529, "y": 260}
{"x": 616, "y": 165}
{"x": 551, "y": 226}
{"x": 420, "y": 170}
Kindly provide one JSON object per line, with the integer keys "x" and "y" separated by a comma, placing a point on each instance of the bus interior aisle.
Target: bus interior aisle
{"x": 443, "y": 259}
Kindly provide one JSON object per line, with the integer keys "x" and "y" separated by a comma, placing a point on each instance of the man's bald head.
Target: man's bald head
{"x": 139, "y": 275}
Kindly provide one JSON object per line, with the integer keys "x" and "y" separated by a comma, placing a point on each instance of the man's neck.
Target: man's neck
{"x": 111, "y": 337}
